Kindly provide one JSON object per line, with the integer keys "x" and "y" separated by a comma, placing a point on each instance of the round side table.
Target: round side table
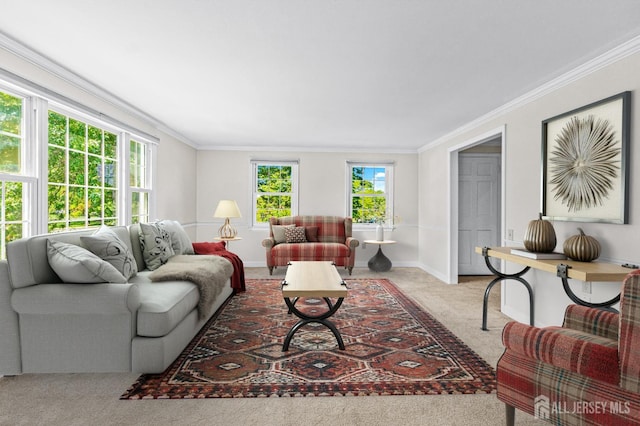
{"x": 227, "y": 240}
{"x": 379, "y": 262}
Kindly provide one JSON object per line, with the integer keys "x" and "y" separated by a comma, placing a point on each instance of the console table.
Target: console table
{"x": 564, "y": 269}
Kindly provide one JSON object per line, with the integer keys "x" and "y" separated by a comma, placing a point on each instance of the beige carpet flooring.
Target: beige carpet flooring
{"x": 92, "y": 399}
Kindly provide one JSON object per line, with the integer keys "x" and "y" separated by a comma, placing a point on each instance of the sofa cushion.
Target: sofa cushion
{"x": 278, "y": 233}
{"x": 163, "y": 305}
{"x": 180, "y": 241}
{"x": 156, "y": 245}
{"x": 331, "y": 229}
{"x": 109, "y": 247}
{"x": 295, "y": 235}
{"x": 311, "y": 232}
{"x": 74, "y": 264}
{"x": 310, "y": 251}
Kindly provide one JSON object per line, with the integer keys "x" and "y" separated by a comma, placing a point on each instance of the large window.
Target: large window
{"x": 370, "y": 193}
{"x": 275, "y": 190}
{"x": 15, "y": 182}
{"x": 79, "y": 169}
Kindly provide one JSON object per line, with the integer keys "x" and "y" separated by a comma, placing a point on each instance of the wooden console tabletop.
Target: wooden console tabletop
{"x": 583, "y": 271}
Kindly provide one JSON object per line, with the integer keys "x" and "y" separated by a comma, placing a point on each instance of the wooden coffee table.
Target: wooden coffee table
{"x": 313, "y": 279}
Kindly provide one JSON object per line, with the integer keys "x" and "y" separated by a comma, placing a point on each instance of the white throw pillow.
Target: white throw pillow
{"x": 74, "y": 264}
{"x": 180, "y": 241}
{"x": 156, "y": 245}
{"x": 108, "y": 246}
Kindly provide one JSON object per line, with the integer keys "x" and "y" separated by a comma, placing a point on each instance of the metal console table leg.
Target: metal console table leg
{"x": 500, "y": 277}
{"x": 563, "y": 274}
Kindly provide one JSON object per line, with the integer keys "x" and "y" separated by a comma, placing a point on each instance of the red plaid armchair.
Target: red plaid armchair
{"x": 586, "y": 372}
{"x": 325, "y": 238}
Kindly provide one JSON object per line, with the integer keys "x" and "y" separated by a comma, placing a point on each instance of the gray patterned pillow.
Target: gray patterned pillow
{"x": 180, "y": 241}
{"x": 156, "y": 245}
{"x": 108, "y": 246}
{"x": 75, "y": 264}
{"x": 295, "y": 235}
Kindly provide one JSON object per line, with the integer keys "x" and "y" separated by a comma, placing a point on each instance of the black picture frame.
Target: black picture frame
{"x": 585, "y": 162}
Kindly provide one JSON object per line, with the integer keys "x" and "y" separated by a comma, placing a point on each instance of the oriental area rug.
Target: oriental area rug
{"x": 392, "y": 347}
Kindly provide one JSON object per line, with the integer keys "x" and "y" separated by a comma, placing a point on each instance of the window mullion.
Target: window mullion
{"x": 39, "y": 209}
{"x": 124, "y": 213}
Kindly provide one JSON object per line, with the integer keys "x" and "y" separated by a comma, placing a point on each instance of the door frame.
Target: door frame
{"x": 452, "y": 192}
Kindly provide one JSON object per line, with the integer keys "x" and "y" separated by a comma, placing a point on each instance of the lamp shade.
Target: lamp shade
{"x": 227, "y": 208}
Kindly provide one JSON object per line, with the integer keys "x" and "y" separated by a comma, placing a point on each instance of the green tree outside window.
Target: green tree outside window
{"x": 274, "y": 187}
{"x": 11, "y": 192}
{"x": 368, "y": 199}
{"x": 82, "y": 174}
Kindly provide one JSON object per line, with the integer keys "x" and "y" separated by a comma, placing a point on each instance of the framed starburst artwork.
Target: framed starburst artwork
{"x": 585, "y": 156}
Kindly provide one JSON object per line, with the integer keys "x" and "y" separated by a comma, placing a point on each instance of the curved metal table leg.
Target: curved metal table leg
{"x": 562, "y": 272}
{"x": 500, "y": 277}
{"x": 307, "y": 319}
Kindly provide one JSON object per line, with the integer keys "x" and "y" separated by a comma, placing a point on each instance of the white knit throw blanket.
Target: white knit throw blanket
{"x": 208, "y": 272}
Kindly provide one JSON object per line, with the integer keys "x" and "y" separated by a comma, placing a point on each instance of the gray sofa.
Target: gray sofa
{"x": 48, "y": 326}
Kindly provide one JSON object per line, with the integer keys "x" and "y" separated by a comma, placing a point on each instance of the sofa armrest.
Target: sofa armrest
{"x": 591, "y": 320}
{"x": 76, "y": 327}
{"x": 352, "y": 242}
{"x": 9, "y": 331}
{"x": 582, "y": 353}
{"x": 67, "y": 299}
{"x": 268, "y": 243}
{"x": 629, "y": 332}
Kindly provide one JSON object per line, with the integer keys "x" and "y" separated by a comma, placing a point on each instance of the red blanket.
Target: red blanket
{"x": 219, "y": 249}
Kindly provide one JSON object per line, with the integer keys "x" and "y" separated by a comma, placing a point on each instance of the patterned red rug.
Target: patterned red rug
{"x": 393, "y": 347}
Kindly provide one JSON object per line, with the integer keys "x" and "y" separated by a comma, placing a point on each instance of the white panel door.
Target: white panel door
{"x": 478, "y": 209}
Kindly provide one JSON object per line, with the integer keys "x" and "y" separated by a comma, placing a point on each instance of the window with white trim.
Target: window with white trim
{"x": 82, "y": 185}
{"x": 82, "y": 167}
{"x": 16, "y": 182}
{"x": 275, "y": 190}
{"x": 370, "y": 193}
{"x": 139, "y": 180}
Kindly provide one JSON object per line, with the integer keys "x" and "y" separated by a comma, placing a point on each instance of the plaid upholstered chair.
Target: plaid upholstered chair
{"x": 327, "y": 238}
{"x": 586, "y": 372}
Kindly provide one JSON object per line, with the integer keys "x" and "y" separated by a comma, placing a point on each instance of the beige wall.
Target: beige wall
{"x": 322, "y": 189}
{"x": 176, "y": 183}
{"x": 522, "y": 189}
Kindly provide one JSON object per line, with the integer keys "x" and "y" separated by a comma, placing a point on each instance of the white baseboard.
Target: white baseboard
{"x": 442, "y": 277}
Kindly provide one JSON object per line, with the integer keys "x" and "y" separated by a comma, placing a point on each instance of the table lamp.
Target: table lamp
{"x": 227, "y": 209}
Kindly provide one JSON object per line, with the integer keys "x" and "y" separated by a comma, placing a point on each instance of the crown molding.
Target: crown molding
{"x": 74, "y": 79}
{"x": 320, "y": 149}
{"x": 614, "y": 55}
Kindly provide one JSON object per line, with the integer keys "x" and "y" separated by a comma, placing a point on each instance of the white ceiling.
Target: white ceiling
{"x": 329, "y": 74}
